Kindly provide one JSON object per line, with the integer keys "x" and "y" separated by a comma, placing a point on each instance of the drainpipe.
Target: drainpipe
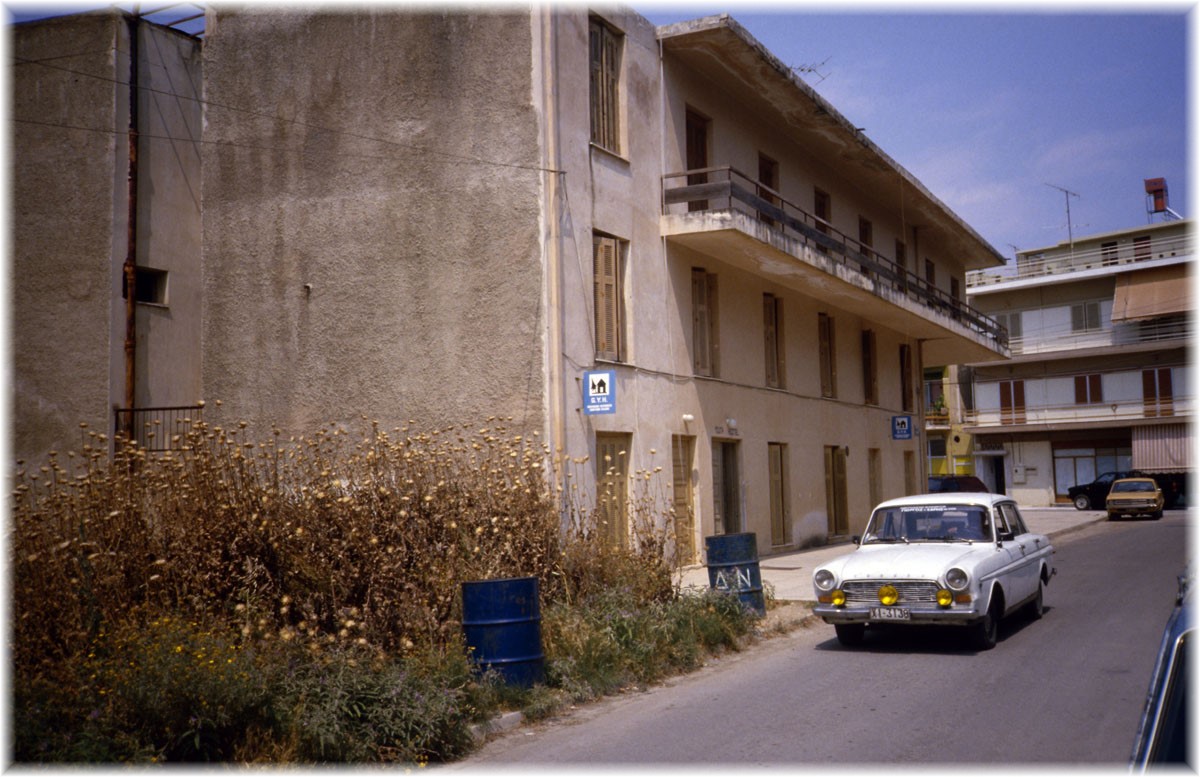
{"x": 554, "y": 312}
{"x": 130, "y": 267}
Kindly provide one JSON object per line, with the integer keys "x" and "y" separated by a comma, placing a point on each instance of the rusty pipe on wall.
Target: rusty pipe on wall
{"x": 130, "y": 266}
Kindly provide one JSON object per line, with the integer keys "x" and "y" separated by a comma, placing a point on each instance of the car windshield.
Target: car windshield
{"x": 929, "y": 523}
{"x": 1132, "y": 486}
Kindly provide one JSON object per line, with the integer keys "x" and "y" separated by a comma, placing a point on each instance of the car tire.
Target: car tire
{"x": 1037, "y": 606}
{"x": 988, "y": 629}
{"x": 1082, "y": 502}
{"x": 1156, "y": 514}
{"x": 850, "y": 634}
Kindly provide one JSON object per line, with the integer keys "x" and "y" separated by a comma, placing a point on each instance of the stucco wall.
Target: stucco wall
{"x": 67, "y": 210}
{"x": 371, "y": 194}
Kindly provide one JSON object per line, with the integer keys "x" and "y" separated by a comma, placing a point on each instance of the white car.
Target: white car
{"x": 964, "y": 559}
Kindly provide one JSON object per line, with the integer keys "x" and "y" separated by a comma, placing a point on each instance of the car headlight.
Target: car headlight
{"x": 823, "y": 579}
{"x": 957, "y": 579}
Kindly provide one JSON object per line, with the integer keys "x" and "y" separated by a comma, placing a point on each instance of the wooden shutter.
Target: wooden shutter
{"x": 1157, "y": 392}
{"x": 607, "y": 286}
{"x": 682, "y": 449}
{"x": 870, "y": 376}
{"x": 906, "y": 378}
{"x": 605, "y": 78}
{"x": 704, "y": 323}
{"x": 775, "y": 465}
{"x": 1012, "y": 402}
{"x": 1087, "y": 389}
{"x": 612, "y": 468}
{"x": 828, "y": 355}
{"x": 771, "y": 338}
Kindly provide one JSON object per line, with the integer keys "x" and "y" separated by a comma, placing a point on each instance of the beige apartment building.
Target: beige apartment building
{"x": 657, "y": 249}
{"x": 1099, "y": 381}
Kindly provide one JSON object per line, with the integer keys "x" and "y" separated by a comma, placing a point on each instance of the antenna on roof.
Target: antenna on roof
{"x": 1067, "y": 195}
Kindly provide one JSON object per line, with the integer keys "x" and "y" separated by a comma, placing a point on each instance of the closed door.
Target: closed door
{"x": 682, "y": 454}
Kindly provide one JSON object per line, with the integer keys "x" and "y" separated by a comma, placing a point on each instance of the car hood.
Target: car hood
{"x": 916, "y": 561}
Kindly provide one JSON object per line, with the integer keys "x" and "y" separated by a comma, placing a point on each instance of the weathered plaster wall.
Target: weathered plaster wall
{"x": 67, "y": 210}
{"x": 371, "y": 196}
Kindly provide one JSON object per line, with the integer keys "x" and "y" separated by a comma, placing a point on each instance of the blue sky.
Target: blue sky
{"x": 991, "y": 109}
{"x": 987, "y": 108}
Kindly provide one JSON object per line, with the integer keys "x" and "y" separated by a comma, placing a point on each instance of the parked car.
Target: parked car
{"x": 1163, "y": 734}
{"x": 941, "y": 484}
{"x": 961, "y": 559}
{"x": 1090, "y": 496}
{"x": 1133, "y": 497}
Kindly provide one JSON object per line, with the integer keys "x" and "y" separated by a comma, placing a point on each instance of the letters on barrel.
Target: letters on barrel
{"x": 502, "y": 626}
{"x": 733, "y": 566}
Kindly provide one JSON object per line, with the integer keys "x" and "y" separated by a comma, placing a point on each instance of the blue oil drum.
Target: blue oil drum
{"x": 733, "y": 566}
{"x": 502, "y": 626}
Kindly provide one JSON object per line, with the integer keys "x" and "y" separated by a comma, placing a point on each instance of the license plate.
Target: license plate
{"x": 890, "y": 614}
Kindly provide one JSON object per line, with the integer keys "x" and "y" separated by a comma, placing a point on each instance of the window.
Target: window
{"x": 902, "y": 263}
{"x": 727, "y": 501}
{"x": 682, "y": 453}
{"x": 777, "y": 476}
{"x": 825, "y": 336}
{"x": 823, "y": 211}
{"x": 768, "y": 184}
{"x": 612, "y": 490}
{"x": 836, "y": 509}
{"x": 1012, "y": 322}
{"x": 1087, "y": 389}
{"x": 696, "y": 142}
{"x": 1085, "y": 317}
{"x": 1108, "y": 252}
{"x": 906, "y": 378}
{"x": 149, "y": 286}
{"x": 870, "y": 369}
{"x": 935, "y": 450}
{"x": 1012, "y": 401}
{"x": 773, "y": 340}
{"x": 608, "y": 296}
{"x": 1157, "y": 397}
{"x": 930, "y": 273}
{"x": 1142, "y": 248}
{"x": 605, "y": 46}
{"x": 704, "y": 323}
{"x": 866, "y": 233}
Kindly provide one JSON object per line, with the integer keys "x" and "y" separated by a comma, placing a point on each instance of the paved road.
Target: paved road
{"x": 1066, "y": 689}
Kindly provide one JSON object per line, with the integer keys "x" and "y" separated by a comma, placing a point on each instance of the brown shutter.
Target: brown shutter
{"x": 606, "y": 267}
{"x": 771, "y": 339}
{"x": 701, "y": 355}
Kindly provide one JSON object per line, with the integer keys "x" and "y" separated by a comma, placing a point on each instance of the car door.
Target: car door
{"x": 1027, "y": 551}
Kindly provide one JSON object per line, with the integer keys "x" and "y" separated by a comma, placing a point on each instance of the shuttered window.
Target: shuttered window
{"x": 612, "y": 488}
{"x": 772, "y": 343}
{"x": 1087, "y": 389}
{"x": 906, "y": 378}
{"x": 683, "y": 451}
{"x": 1012, "y": 401}
{"x": 608, "y": 296}
{"x": 605, "y": 44}
{"x": 870, "y": 371}
{"x": 828, "y": 354}
{"x": 1157, "y": 393}
{"x": 777, "y": 476}
{"x": 704, "y": 323}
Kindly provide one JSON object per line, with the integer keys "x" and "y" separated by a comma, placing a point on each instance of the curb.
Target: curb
{"x": 501, "y": 724}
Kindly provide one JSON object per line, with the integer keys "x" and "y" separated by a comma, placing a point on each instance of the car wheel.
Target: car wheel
{"x": 1082, "y": 502}
{"x": 850, "y": 634}
{"x": 1036, "y": 607}
{"x": 1157, "y": 514}
{"x": 988, "y": 629}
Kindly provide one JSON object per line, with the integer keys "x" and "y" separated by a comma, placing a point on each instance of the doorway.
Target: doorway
{"x": 727, "y": 501}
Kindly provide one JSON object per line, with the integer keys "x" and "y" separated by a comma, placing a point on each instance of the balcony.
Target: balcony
{"x": 1085, "y": 260}
{"x": 723, "y": 213}
{"x": 1101, "y": 415}
{"x": 1166, "y": 331}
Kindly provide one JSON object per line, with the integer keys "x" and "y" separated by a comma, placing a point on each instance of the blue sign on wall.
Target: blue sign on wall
{"x": 902, "y": 427}
{"x": 599, "y": 392}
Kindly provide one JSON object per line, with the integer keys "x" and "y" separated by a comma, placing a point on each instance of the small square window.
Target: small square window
{"x": 150, "y": 286}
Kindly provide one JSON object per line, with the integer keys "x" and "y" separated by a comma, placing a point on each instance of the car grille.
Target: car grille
{"x": 911, "y": 591}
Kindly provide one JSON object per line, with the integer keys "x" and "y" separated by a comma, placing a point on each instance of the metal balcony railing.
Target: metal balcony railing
{"x": 1080, "y": 260}
{"x": 726, "y": 189}
{"x": 1165, "y": 330}
{"x": 156, "y": 429}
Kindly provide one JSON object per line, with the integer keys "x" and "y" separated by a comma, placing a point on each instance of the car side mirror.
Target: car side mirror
{"x": 1006, "y": 536}
{"x": 856, "y": 539}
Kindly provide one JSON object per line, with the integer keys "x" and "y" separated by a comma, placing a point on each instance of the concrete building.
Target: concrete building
{"x": 656, "y": 248}
{"x": 1100, "y": 328}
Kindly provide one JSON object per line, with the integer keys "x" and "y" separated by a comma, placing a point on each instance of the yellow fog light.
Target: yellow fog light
{"x": 944, "y": 598}
{"x": 888, "y": 595}
{"x": 838, "y": 597}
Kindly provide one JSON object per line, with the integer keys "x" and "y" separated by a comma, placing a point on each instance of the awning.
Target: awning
{"x": 1159, "y": 291}
{"x": 1162, "y": 448}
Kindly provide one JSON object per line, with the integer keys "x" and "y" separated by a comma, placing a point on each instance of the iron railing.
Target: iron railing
{"x": 725, "y": 188}
{"x": 1078, "y": 261}
{"x": 156, "y": 429}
